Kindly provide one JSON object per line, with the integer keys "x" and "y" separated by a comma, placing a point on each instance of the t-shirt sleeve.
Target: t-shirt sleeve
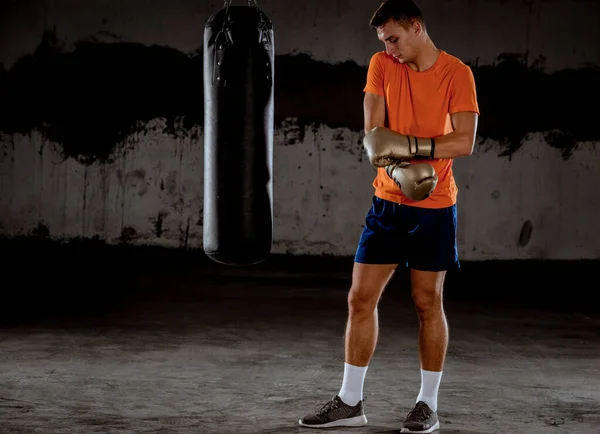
{"x": 375, "y": 76}
{"x": 463, "y": 92}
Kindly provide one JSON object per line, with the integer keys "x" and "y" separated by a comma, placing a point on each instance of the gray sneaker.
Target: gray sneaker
{"x": 421, "y": 420}
{"x": 336, "y": 413}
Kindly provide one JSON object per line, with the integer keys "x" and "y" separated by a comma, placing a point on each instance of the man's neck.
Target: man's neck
{"x": 426, "y": 57}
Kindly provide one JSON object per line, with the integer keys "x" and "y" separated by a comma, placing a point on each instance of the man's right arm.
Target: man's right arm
{"x": 416, "y": 181}
{"x": 374, "y": 111}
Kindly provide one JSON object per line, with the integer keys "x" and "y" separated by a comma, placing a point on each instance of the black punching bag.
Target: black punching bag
{"x": 238, "y": 135}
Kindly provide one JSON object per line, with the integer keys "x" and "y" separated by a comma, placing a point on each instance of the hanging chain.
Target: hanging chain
{"x": 250, "y": 3}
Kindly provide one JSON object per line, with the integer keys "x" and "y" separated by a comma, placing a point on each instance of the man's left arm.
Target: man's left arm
{"x": 460, "y": 142}
{"x": 464, "y": 116}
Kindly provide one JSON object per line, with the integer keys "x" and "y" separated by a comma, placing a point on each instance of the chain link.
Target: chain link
{"x": 250, "y": 3}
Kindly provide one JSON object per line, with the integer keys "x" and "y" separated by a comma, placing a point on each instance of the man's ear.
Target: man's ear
{"x": 417, "y": 27}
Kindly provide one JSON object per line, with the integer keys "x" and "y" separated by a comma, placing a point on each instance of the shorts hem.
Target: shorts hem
{"x": 369, "y": 261}
{"x": 419, "y": 267}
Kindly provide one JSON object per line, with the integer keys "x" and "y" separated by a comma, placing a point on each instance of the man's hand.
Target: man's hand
{"x": 416, "y": 181}
{"x": 385, "y": 147}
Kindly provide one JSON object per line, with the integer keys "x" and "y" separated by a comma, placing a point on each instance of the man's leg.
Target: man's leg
{"x": 368, "y": 283}
{"x": 434, "y": 250}
{"x": 427, "y": 289}
{"x": 346, "y": 408}
{"x": 373, "y": 268}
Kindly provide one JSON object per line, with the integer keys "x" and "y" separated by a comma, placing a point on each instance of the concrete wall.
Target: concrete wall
{"x": 69, "y": 168}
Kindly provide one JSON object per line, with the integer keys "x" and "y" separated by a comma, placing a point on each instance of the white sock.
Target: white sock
{"x": 352, "y": 387}
{"x": 430, "y": 385}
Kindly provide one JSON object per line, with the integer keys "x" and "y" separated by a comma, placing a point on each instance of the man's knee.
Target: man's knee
{"x": 426, "y": 291}
{"x": 368, "y": 282}
{"x": 426, "y": 301}
{"x": 362, "y": 300}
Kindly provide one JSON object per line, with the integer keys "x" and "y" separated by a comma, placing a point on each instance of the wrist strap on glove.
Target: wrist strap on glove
{"x": 425, "y": 151}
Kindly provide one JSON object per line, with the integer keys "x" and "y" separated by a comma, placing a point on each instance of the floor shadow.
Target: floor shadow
{"x": 369, "y": 429}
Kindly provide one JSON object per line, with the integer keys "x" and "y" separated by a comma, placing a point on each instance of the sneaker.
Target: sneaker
{"x": 336, "y": 413}
{"x": 421, "y": 420}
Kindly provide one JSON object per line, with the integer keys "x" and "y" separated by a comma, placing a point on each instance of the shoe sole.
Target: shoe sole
{"x": 348, "y": 422}
{"x": 427, "y": 431}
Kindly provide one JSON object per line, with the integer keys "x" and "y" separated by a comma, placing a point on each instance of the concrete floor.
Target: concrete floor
{"x": 145, "y": 341}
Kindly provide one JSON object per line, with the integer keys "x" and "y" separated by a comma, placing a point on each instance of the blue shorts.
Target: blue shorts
{"x": 419, "y": 238}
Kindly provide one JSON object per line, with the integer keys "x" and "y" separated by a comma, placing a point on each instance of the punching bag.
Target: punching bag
{"x": 238, "y": 135}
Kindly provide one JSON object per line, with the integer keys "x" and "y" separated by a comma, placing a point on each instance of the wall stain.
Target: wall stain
{"x": 158, "y": 223}
{"x": 517, "y": 100}
{"x": 185, "y": 235}
{"x": 137, "y": 180}
{"x": 344, "y": 143}
{"x": 128, "y": 234}
{"x": 525, "y": 235}
{"x": 41, "y": 231}
{"x": 171, "y": 182}
{"x": 293, "y": 133}
{"x": 315, "y": 92}
{"x": 89, "y": 100}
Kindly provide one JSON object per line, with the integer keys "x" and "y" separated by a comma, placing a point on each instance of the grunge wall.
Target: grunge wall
{"x": 101, "y": 123}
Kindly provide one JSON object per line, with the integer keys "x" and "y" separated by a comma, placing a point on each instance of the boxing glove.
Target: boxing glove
{"x": 385, "y": 147}
{"x": 416, "y": 181}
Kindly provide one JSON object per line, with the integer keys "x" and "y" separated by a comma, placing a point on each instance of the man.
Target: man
{"x": 415, "y": 94}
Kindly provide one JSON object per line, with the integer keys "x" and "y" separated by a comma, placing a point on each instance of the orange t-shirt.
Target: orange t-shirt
{"x": 420, "y": 104}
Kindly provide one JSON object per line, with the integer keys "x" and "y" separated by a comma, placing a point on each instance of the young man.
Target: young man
{"x": 420, "y": 106}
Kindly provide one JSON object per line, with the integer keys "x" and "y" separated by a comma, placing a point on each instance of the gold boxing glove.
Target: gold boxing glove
{"x": 385, "y": 147}
{"x": 416, "y": 181}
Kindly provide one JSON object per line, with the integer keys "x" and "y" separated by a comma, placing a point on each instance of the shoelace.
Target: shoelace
{"x": 418, "y": 414}
{"x": 331, "y": 405}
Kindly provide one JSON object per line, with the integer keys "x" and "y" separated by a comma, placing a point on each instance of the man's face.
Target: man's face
{"x": 399, "y": 42}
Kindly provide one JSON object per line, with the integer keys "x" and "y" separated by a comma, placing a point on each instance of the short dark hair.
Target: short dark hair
{"x": 404, "y": 12}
